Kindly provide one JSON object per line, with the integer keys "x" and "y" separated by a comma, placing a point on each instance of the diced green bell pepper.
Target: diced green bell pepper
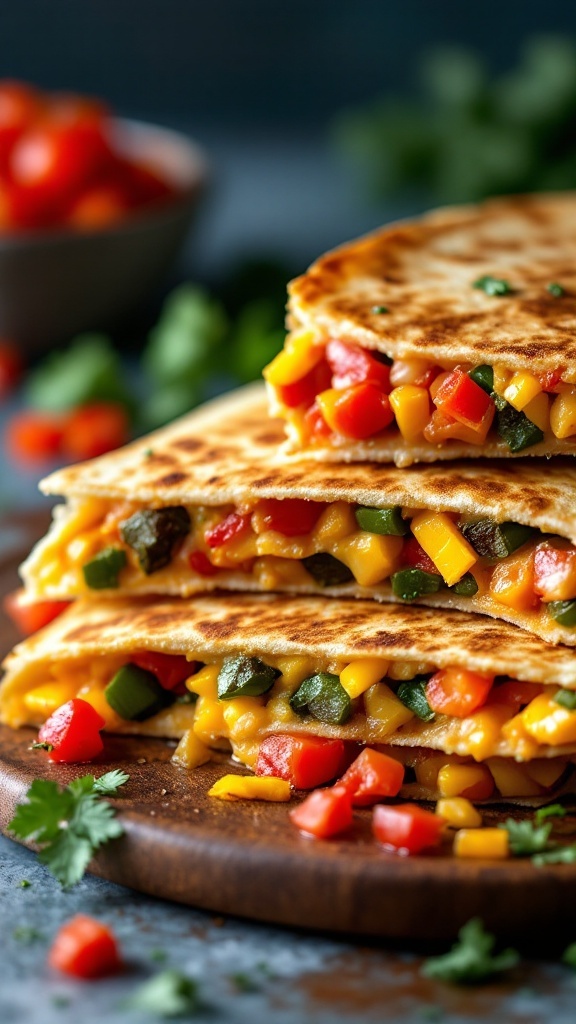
{"x": 136, "y": 694}
{"x": 327, "y": 570}
{"x": 483, "y": 376}
{"x": 412, "y": 693}
{"x": 154, "y": 535}
{"x": 566, "y": 698}
{"x": 245, "y": 677}
{"x": 514, "y": 427}
{"x": 496, "y": 540}
{"x": 323, "y": 697}
{"x": 102, "y": 571}
{"x": 563, "y": 612}
{"x": 412, "y": 583}
{"x": 387, "y": 521}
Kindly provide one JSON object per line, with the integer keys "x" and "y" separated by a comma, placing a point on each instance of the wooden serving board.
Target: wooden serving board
{"x": 245, "y": 858}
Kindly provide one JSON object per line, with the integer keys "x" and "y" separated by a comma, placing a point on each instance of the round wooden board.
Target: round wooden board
{"x": 245, "y": 858}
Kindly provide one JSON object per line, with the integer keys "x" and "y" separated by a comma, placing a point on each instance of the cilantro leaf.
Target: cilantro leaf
{"x": 526, "y": 838}
{"x": 549, "y": 811}
{"x": 168, "y": 994}
{"x": 556, "y": 855}
{"x": 471, "y": 959}
{"x": 69, "y": 824}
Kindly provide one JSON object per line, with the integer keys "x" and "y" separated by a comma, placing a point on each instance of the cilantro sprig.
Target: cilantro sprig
{"x": 167, "y": 994}
{"x": 69, "y": 824}
{"x": 533, "y": 838}
{"x": 471, "y": 959}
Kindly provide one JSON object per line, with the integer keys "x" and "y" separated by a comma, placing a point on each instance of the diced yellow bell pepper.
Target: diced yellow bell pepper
{"x": 248, "y": 787}
{"x": 371, "y": 557}
{"x": 444, "y": 544}
{"x": 512, "y": 582}
{"x": 384, "y": 712}
{"x": 546, "y": 770}
{"x": 522, "y": 389}
{"x": 191, "y": 752}
{"x": 563, "y": 414}
{"x": 209, "y": 724}
{"x": 43, "y": 700}
{"x": 205, "y": 682}
{"x": 94, "y": 695}
{"x": 538, "y": 411}
{"x": 511, "y": 778}
{"x": 488, "y": 843}
{"x": 481, "y": 732}
{"x": 411, "y": 407}
{"x": 548, "y": 722}
{"x": 300, "y": 354}
{"x": 245, "y": 717}
{"x": 408, "y": 669}
{"x": 471, "y": 780}
{"x": 335, "y": 523}
{"x": 326, "y": 402}
{"x": 293, "y": 670}
{"x": 360, "y": 675}
{"x": 458, "y": 812}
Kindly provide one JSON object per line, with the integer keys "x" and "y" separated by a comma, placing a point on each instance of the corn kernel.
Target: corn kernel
{"x": 360, "y": 675}
{"x": 458, "y": 812}
{"x": 205, "y": 682}
{"x": 371, "y": 557}
{"x": 470, "y": 780}
{"x": 294, "y": 670}
{"x": 489, "y": 843}
{"x": 247, "y": 787}
{"x": 299, "y": 355}
{"x": 481, "y": 732}
{"x": 411, "y": 407}
{"x": 335, "y": 523}
{"x": 384, "y": 712}
{"x": 548, "y": 722}
{"x": 43, "y": 700}
{"x": 512, "y": 779}
{"x": 444, "y": 544}
{"x": 190, "y": 752}
{"x": 522, "y": 389}
{"x": 209, "y": 724}
{"x": 245, "y": 717}
{"x": 538, "y": 411}
{"x": 563, "y": 414}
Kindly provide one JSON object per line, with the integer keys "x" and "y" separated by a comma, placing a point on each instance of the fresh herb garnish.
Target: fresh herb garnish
{"x": 42, "y": 746}
{"x": 549, "y": 811}
{"x": 556, "y": 854}
{"x": 526, "y": 838}
{"x": 471, "y": 959}
{"x": 27, "y": 935}
{"x": 25, "y": 884}
{"x": 555, "y": 289}
{"x": 493, "y": 285}
{"x": 379, "y": 309}
{"x": 566, "y": 698}
{"x": 69, "y": 824}
{"x": 168, "y": 994}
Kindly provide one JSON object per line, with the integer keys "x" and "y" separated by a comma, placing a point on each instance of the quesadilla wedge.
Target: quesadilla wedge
{"x": 449, "y": 336}
{"x": 207, "y": 503}
{"x": 470, "y": 707}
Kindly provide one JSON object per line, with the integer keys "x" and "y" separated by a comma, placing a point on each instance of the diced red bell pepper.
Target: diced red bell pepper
{"x": 291, "y": 517}
{"x": 232, "y": 526}
{"x": 406, "y": 828}
{"x": 73, "y": 733}
{"x": 33, "y": 437}
{"x": 200, "y": 563}
{"x": 515, "y": 693}
{"x": 415, "y": 557}
{"x": 555, "y": 572}
{"x": 324, "y": 812}
{"x": 315, "y": 425}
{"x": 465, "y": 401}
{"x": 94, "y": 429}
{"x": 351, "y": 364}
{"x": 362, "y": 411}
{"x": 304, "y": 391}
{"x": 170, "y": 670}
{"x": 11, "y": 367}
{"x": 30, "y": 617}
{"x": 85, "y": 948}
{"x": 372, "y": 776}
{"x": 457, "y": 691}
{"x": 305, "y": 761}
{"x": 551, "y": 380}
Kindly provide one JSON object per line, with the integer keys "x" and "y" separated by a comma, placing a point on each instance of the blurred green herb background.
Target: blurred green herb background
{"x": 466, "y": 134}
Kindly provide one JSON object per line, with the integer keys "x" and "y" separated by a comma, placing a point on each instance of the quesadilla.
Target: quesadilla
{"x": 207, "y": 503}
{"x": 449, "y": 336}
{"x": 470, "y": 707}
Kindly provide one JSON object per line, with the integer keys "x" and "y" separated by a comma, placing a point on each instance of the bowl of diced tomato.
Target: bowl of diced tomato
{"x": 93, "y": 211}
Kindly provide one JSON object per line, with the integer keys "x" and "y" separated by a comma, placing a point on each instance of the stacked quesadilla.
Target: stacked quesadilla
{"x": 412, "y": 609}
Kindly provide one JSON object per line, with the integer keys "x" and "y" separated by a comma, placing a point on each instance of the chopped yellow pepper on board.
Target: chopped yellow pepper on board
{"x": 444, "y": 544}
{"x": 489, "y": 843}
{"x": 191, "y": 752}
{"x": 458, "y": 812}
{"x": 249, "y": 787}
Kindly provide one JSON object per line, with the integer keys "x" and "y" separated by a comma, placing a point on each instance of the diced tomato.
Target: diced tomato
{"x": 232, "y": 526}
{"x": 20, "y": 105}
{"x": 291, "y": 517}
{"x": 200, "y": 563}
{"x": 304, "y": 391}
{"x": 445, "y": 428}
{"x": 415, "y": 557}
{"x": 551, "y": 380}
{"x": 170, "y": 669}
{"x": 315, "y": 424}
{"x": 351, "y": 364}
{"x": 97, "y": 207}
{"x": 33, "y": 437}
{"x": 555, "y": 572}
{"x": 305, "y": 761}
{"x": 457, "y": 691}
{"x": 362, "y": 411}
{"x": 94, "y": 429}
{"x": 406, "y": 828}
{"x": 515, "y": 693}
{"x": 371, "y": 777}
{"x": 324, "y": 812}
{"x": 11, "y": 366}
{"x": 30, "y": 617}
{"x": 464, "y": 400}
{"x": 73, "y": 733}
{"x": 85, "y": 948}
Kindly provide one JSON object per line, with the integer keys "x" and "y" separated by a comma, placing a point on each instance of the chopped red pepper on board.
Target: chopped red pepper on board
{"x": 85, "y": 948}
{"x": 372, "y": 776}
{"x": 305, "y": 761}
{"x": 72, "y": 733}
{"x": 324, "y": 812}
{"x": 406, "y": 828}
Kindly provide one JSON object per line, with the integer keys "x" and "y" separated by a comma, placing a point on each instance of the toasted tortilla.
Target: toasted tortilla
{"x": 227, "y": 452}
{"x": 422, "y": 271}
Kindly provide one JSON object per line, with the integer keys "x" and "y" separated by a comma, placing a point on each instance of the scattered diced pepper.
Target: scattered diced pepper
{"x": 43, "y": 700}
{"x": 466, "y": 587}
{"x": 245, "y": 677}
{"x": 231, "y": 526}
{"x": 102, "y": 571}
{"x": 298, "y": 357}
{"x": 135, "y": 694}
{"x": 250, "y": 787}
{"x": 305, "y": 761}
{"x": 458, "y": 812}
{"x": 415, "y": 556}
{"x": 563, "y": 612}
{"x": 548, "y": 722}
{"x": 472, "y": 781}
{"x": 371, "y": 777}
{"x": 563, "y": 414}
{"x": 444, "y": 544}
{"x": 406, "y": 828}
{"x": 387, "y": 521}
{"x": 327, "y": 570}
{"x": 538, "y": 411}
{"x": 200, "y": 563}
{"x": 555, "y": 572}
{"x": 323, "y": 697}
{"x": 522, "y": 389}
{"x": 85, "y": 948}
{"x": 384, "y": 712}
{"x": 351, "y": 364}
{"x": 512, "y": 582}
{"x": 462, "y": 399}
{"x": 292, "y": 517}
{"x": 324, "y": 813}
{"x": 488, "y": 843}
{"x": 514, "y": 427}
{"x": 371, "y": 557}
{"x": 304, "y": 391}
{"x": 171, "y": 670}
{"x": 360, "y": 675}
{"x": 72, "y": 733}
{"x": 411, "y": 407}
{"x": 30, "y": 616}
{"x": 496, "y": 540}
{"x": 154, "y": 534}
{"x": 483, "y": 375}
{"x": 191, "y": 752}
{"x": 457, "y": 691}
{"x": 412, "y": 693}
{"x": 409, "y": 584}
{"x": 358, "y": 412}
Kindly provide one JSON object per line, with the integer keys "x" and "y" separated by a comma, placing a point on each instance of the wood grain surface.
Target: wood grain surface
{"x": 245, "y": 858}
